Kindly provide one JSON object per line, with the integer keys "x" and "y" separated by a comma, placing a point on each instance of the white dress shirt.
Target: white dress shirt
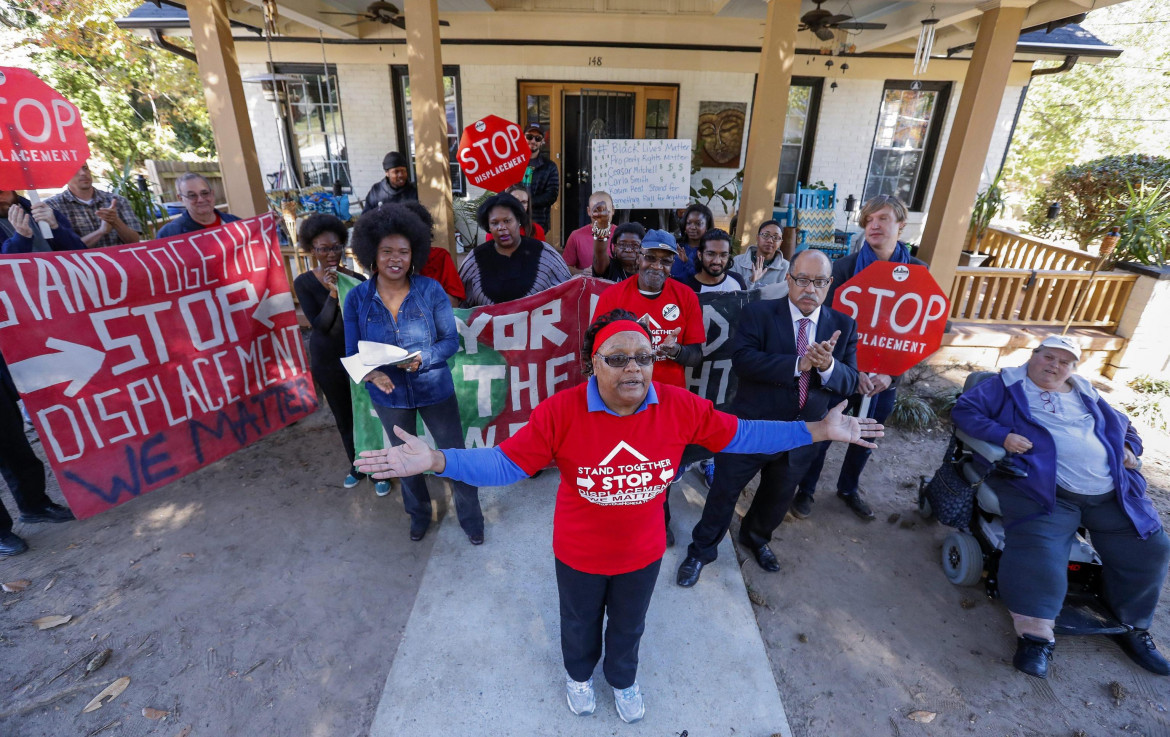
{"x": 797, "y": 316}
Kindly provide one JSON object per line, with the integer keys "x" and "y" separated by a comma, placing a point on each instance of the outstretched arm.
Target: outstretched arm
{"x": 477, "y": 466}
{"x": 763, "y": 436}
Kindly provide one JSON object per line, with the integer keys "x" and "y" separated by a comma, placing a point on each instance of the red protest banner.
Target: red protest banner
{"x": 142, "y": 363}
{"x": 493, "y": 154}
{"x": 903, "y": 314}
{"x": 42, "y": 141}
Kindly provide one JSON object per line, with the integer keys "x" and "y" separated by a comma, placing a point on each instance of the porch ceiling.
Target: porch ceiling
{"x": 684, "y": 21}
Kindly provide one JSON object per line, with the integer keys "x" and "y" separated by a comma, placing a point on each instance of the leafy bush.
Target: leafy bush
{"x": 1151, "y": 406}
{"x": 1142, "y": 218}
{"x": 911, "y": 412}
{"x": 1085, "y": 193}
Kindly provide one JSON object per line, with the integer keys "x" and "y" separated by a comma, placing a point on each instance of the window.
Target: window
{"x": 907, "y": 136}
{"x": 453, "y": 101}
{"x": 311, "y": 106}
{"x": 800, "y": 125}
{"x": 658, "y": 118}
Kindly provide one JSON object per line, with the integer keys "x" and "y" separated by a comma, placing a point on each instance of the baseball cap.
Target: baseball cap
{"x": 534, "y": 128}
{"x": 659, "y": 240}
{"x": 1063, "y": 343}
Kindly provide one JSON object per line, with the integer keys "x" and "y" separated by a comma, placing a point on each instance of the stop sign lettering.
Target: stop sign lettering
{"x": 493, "y": 154}
{"x": 901, "y": 315}
{"x": 42, "y": 141}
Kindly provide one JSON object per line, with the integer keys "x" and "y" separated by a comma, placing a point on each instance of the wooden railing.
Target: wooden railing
{"x": 1040, "y": 297}
{"x": 1010, "y": 250}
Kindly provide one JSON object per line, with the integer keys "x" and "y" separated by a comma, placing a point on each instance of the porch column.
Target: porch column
{"x": 215, "y": 51}
{"x": 769, "y": 108}
{"x": 429, "y": 114}
{"x": 962, "y": 165}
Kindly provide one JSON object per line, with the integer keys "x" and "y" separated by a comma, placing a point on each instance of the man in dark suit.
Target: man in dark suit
{"x": 795, "y": 359}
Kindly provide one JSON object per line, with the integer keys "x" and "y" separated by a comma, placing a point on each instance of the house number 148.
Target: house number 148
{"x": 595, "y": 61}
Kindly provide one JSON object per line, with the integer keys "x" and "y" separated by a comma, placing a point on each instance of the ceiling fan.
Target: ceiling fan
{"x": 378, "y": 12}
{"x": 822, "y": 23}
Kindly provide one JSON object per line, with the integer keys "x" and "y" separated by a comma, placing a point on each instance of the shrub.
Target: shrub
{"x": 1085, "y": 193}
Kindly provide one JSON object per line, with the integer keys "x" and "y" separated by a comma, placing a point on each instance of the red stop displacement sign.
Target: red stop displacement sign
{"x": 493, "y": 153}
{"x": 42, "y": 141}
{"x": 901, "y": 315}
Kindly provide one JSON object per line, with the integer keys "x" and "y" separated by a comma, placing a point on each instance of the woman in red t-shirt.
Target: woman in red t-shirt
{"x": 617, "y": 441}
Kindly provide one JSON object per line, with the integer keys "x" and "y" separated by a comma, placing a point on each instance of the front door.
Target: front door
{"x": 589, "y": 115}
{"x": 572, "y": 114}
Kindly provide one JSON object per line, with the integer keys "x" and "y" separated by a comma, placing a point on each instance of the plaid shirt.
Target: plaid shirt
{"x": 84, "y": 218}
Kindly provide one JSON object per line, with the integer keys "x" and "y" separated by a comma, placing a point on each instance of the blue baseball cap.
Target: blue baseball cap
{"x": 659, "y": 240}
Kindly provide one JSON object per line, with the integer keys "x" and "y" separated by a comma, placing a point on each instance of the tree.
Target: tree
{"x": 137, "y": 101}
{"x": 1118, "y": 106}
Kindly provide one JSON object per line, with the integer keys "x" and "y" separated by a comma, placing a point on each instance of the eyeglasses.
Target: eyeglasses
{"x": 626, "y": 246}
{"x": 336, "y": 248}
{"x": 1048, "y": 400}
{"x": 534, "y": 137}
{"x": 804, "y": 281}
{"x": 621, "y": 360}
{"x": 204, "y": 195}
{"x": 769, "y": 237}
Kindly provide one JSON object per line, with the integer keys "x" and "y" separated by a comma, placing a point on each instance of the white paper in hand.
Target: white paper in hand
{"x": 370, "y": 355}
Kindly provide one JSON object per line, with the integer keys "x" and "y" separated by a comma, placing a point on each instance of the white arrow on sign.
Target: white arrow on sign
{"x": 271, "y": 305}
{"x": 585, "y": 483}
{"x": 667, "y": 474}
{"x": 72, "y": 362}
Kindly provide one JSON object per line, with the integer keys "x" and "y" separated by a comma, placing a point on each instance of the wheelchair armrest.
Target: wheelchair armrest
{"x": 992, "y": 453}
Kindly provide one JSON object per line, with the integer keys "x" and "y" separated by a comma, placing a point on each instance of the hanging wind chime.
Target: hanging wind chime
{"x": 925, "y": 45}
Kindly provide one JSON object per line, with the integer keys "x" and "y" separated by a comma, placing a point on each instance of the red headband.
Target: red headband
{"x": 615, "y": 327}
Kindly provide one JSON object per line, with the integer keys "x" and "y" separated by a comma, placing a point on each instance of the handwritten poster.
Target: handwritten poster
{"x": 142, "y": 363}
{"x": 646, "y": 173}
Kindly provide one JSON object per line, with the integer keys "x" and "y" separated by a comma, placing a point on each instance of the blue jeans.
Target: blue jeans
{"x": 1033, "y": 575}
{"x": 442, "y": 420}
{"x": 856, "y": 456}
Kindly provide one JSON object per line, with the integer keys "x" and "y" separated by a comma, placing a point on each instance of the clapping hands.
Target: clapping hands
{"x": 819, "y": 356}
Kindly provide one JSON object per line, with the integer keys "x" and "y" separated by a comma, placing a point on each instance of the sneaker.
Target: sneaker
{"x": 630, "y": 706}
{"x": 351, "y": 481}
{"x": 51, "y": 513}
{"x": 709, "y": 474}
{"x": 580, "y": 696}
{"x": 381, "y": 488}
{"x": 1140, "y": 647}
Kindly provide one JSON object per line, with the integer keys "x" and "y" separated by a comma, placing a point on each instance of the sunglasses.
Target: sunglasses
{"x": 534, "y": 137}
{"x": 621, "y": 360}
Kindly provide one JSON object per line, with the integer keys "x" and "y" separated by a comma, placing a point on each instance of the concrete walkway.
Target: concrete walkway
{"x": 481, "y": 651}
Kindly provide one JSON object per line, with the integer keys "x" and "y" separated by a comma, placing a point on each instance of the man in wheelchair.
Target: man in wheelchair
{"x": 1082, "y": 470}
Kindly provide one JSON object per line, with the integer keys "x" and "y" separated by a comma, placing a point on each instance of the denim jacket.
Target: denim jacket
{"x": 425, "y": 323}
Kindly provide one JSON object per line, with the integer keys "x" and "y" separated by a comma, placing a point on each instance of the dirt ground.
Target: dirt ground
{"x": 258, "y": 597}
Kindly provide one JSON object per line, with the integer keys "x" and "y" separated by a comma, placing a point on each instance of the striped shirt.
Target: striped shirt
{"x": 84, "y": 217}
{"x": 509, "y": 275}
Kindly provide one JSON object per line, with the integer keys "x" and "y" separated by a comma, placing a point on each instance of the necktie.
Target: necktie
{"x": 802, "y": 347}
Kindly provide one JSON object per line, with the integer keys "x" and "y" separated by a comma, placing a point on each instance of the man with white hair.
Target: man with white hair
{"x": 1083, "y": 470}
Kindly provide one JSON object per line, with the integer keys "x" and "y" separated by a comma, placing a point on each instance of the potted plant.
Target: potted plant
{"x": 989, "y": 204}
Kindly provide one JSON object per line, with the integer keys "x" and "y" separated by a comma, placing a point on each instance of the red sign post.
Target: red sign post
{"x": 493, "y": 153}
{"x": 901, "y": 315}
{"x": 42, "y": 141}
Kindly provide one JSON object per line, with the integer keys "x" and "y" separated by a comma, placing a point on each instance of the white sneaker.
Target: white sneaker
{"x": 630, "y": 706}
{"x": 580, "y": 696}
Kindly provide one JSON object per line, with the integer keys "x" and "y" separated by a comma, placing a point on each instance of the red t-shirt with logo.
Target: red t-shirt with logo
{"x": 614, "y": 471}
{"x": 676, "y": 306}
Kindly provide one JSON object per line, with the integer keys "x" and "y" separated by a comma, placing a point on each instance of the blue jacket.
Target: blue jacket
{"x": 64, "y": 239}
{"x": 186, "y": 224}
{"x": 997, "y": 407}
{"x": 425, "y": 323}
{"x": 764, "y": 360}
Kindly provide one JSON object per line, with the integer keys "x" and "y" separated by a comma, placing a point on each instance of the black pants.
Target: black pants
{"x": 779, "y": 475}
{"x": 334, "y": 383}
{"x": 586, "y": 600}
{"x": 442, "y": 421}
{"x": 22, "y": 470}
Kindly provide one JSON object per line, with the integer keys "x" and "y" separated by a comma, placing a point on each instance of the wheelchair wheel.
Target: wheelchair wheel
{"x": 962, "y": 558}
